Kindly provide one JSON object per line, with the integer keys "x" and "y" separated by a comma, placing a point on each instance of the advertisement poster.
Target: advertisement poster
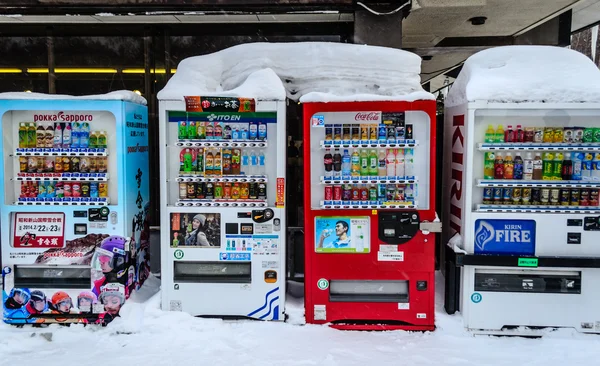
{"x": 342, "y": 234}
{"x": 202, "y": 230}
{"x": 39, "y": 230}
{"x": 514, "y": 237}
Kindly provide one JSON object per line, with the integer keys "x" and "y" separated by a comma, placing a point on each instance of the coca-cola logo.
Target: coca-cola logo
{"x": 63, "y": 117}
{"x": 367, "y": 116}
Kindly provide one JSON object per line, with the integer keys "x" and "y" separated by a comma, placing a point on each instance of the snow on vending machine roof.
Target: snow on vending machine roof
{"x": 494, "y": 226}
{"x": 267, "y": 73}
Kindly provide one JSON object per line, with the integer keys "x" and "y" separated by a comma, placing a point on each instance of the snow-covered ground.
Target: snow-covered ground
{"x": 145, "y": 335}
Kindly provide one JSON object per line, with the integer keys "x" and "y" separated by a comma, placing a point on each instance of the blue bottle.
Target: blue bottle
{"x": 346, "y": 164}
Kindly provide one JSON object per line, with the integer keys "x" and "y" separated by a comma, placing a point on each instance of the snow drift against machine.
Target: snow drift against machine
{"x": 305, "y": 71}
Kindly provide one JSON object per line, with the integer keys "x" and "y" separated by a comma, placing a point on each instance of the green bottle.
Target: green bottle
{"x": 364, "y": 163}
{"x": 191, "y": 134}
{"x": 182, "y": 134}
{"x": 187, "y": 161}
{"x": 373, "y": 163}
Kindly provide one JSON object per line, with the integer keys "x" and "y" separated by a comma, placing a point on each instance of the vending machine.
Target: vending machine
{"x": 521, "y": 196}
{"x": 369, "y": 211}
{"x": 74, "y": 212}
{"x": 223, "y": 206}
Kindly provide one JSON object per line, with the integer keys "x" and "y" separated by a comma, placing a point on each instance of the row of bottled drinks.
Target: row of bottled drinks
{"x": 373, "y": 193}
{"x": 369, "y": 163}
{"x": 60, "y": 135}
{"x": 542, "y": 134}
{"x": 50, "y": 190}
{"x": 222, "y": 161}
{"x": 63, "y": 164}
{"x": 222, "y": 190}
{"x": 368, "y": 132}
{"x": 201, "y": 130}
{"x": 540, "y": 196}
{"x": 543, "y": 166}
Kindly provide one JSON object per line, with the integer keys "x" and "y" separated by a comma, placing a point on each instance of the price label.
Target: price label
{"x": 39, "y": 230}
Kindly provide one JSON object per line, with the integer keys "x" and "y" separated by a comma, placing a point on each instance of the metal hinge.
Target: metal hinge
{"x": 432, "y": 227}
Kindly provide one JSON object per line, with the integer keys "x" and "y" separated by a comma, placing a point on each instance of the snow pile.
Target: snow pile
{"x": 124, "y": 95}
{"x": 305, "y": 71}
{"x": 145, "y": 335}
{"x": 526, "y": 74}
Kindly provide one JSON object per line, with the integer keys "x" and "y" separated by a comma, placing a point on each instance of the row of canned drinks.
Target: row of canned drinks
{"x": 540, "y": 196}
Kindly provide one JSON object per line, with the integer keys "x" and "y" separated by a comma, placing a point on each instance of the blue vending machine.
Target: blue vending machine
{"x": 74, "y": 208}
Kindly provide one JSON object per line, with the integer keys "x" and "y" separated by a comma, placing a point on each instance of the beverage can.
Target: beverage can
{"x": 219, "y": 190}
{"x": 596, "y": 136}
{"x": 558, "y": 136}
{"x": 355, "y": 132}
{"x": 507, "y": 195}
{"x": 565, "y": 197}
{"x": 526, "y": 196}
{"x": 575, "y": 194}
{"x": 409, "y": 132}
{"x": 253, "y": 191}
{"x": 209, "y": 191}
{"x": 103, "y": 189}
{"x": 578, "y": 134}
{"x": 253, "y": 131}
{"x": 372, "y": 194}
{"x": 347, "y": 192}
{"x": 588, "y": 135}
{"x": 548, "y": 134}
{"x": 190, "y": 190}
{"x": 74, "y": 164}
{"x": 76, "y": 189}
{"x": 529, "y": 134}
{"x": 59, "y": 189}
{"x": 94, "y": 189}
{"x": 337, "y": 192}
{"x": 538, "y": 135}
{"x": 516, "y": 196}
{"x": 84, "y": 164}
{"x": 262, "y": 131}
{"x": 200, "y": 190}
{"x": 488, "y": 195}
{"x": 584, "y": 197}
{"x": 182, "y": 191}
{"x": 545, "y": 196}
{"x": 497, "y": 195}
{"x": 536, "y": 196}
{"x": 328, "y": 193}
{"x": 191, "y": 133}
{"x": 328, "y": 133}
{"x": 364, "y": 132}
{"x": 41, "y": 191}
{"x": 85, "y": 189}
{"x": 346, "y": 132}
{"x": 554, "y": 196}
{"x": 227, "y": 190}
{"x": 568, "y": 134}
{"x": 399, "y": 193}
{"x": 373, "y": 132}
{"x": 382, "y": 134}
{"x": 337, "y": 132}
{"x": 594, "y": 197}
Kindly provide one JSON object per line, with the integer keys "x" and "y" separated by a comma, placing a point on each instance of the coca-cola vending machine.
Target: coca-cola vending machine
{"x": 370, "y": 212}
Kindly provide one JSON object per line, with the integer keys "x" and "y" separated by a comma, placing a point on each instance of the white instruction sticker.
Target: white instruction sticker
{"x": 421, "y": 316}
{"x": 388, "y": 248}
{"x": 403, "y": 306}
{"x": 390, "y": 256}
{"x": 320, "y": 312}
{"x": 263, "y": 228}
{"x": 270, "y": 264}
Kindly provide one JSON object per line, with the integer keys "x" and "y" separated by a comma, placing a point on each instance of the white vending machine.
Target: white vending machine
{"x": 521, "y": 183}
{"x": 222, "y": 163}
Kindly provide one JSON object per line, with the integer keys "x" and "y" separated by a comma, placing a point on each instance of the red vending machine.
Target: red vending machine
{"x": 369, "y": 173}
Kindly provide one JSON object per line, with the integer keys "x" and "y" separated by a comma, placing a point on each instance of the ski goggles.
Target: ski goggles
{"x": 66, "y": 302}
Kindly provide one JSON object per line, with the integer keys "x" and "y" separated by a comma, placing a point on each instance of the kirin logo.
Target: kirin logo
{"x": 484, "y": 234}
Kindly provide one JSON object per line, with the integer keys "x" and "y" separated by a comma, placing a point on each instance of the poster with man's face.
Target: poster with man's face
{"x": 342, "y": 234}
{"x": 200, "y": 230}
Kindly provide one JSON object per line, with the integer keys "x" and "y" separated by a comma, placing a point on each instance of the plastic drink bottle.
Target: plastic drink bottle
{"x": 373, "y": 163}
{"x": 400, "y": 163}
{"x": 390, "y": 160}
{"x": 488, "y": 167}
{"x": 518, "y": 171}
{"x": 364, "y": 163}
{"x": 528, "y": 167}
{"x": 355, "y": 164}
{"x": 509, "y": 166}
{"x": 490, "y": 134}
{"x": 346, "y": 165}
{"x": 381, "y": 168}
